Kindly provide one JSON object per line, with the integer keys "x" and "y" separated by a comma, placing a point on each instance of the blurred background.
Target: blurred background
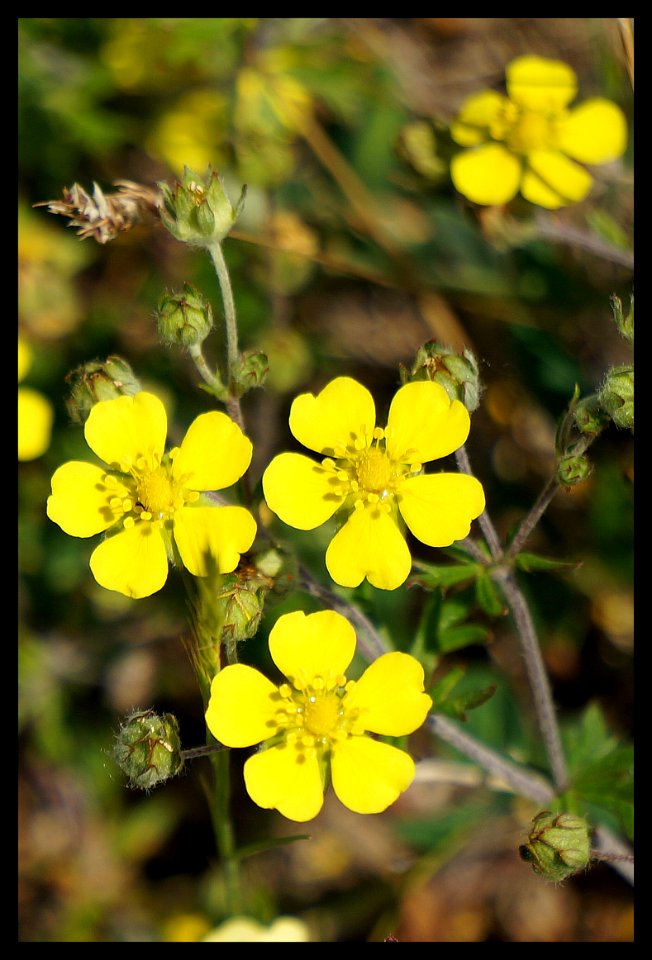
{"x": 352, "y": 251}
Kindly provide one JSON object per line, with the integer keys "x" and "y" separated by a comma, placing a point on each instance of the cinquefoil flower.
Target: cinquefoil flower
{"x": 318, "y": 722}
{"x": 375, "y": 476}
{"x": 530, "y": 140}
{"x": 150, "y": 502}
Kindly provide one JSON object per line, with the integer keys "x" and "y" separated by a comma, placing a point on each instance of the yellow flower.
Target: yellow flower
{"x": 35, "y": 414}
{"x": 318, "y": 721}
{"x": 375, "y": 476}
{"x": 247, "y": 930}
{"x": 150, "y": 503}
{"x": 530, "y": 140}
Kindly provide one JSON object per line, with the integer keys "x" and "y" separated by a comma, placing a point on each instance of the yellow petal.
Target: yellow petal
{"x": 477, "y": 113}
{"x": 390, "y": 695}
{"x": 213, "y": 454}
{"x": 222, "y": 533}
{"x": 369, "y": 545}
{"x": 242, "y": 707}
{"x": 305, "y": 646}
{"x": 369, "y": 775}
{"x": 300, "y": 491}
{"x": 127, "y": 428}
{"x": 35, "y": 416}
{"x": 488, "y": 174}
{"x": 540, "y": 84}
{"x": 133, "y": 562}
{"x": 594, "y": 132}
{"x": 438, "y": 508}
{"x": 343, "y": 410}
{"x": 551, "y": 180}
{"x": 424, "y": 424}
{"x": 287, "y": 779}
{"x": 80, "y": 499}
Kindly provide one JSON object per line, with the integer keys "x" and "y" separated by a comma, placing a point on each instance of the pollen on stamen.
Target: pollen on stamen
{"x": 416, "y": 467}
{"x": 378, "y": 433}
{"x": 128, "y": 523}
{"x": 145, "y": 515}
{"x": 127, "y": 505}
{"x": 359, "y": 505}
{"x": 360, "y": 443}
{"x": 328, "y": 462}
{"x": 349, "y": 685}
{"x": 285, "y": 691}
{"x": 318, "y": 683}
{"x": 373, "y": 497}
{"x": 342, "y": 475}
{"x": 192, "y": 496}
{"x": 355, "y": 486}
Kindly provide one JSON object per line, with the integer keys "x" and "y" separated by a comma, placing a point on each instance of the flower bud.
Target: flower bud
{"x": 96, "y": 381}
{"x": 456, "y": 373}
{"x": 573, "y": 469}
{"x": 185, "y": 318}
{"x": 148, "y": 748}
{"x": 625, "y": 324}
{"x": 559, "y": 845}
{"x": 197, "y": 210}
{"x": 250, "y": 371}
{"x": 589, "y": 416}
{"x": 617, "y": 396}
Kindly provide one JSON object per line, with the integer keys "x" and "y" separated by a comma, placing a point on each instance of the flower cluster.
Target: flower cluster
{"x": 530, "y": 141}
{"x": 150, "y": 503}
{"x": 316, "y": 725}
{"x": 373, "y": 476}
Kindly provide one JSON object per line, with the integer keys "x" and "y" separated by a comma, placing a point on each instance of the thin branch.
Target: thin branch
{"x": 521, "y": 781}
{"x": 487, "y": 527}
{"x": 537, "y": 674}
{"x": 533, "y": 517}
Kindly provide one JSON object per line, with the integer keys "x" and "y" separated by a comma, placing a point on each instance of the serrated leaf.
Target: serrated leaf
{"x": 488, "y": 597}
{"x": 457, "y": 637}
{"x": 531, "y": 562}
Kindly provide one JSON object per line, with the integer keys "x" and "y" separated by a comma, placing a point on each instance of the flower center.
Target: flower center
{"x": 523, "y": 130}
{"x": 322, "y": 714}
{"x": 374, "y": 470}
{"x": 157, "y": 492}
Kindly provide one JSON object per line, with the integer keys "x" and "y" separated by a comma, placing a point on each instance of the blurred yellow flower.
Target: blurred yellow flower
{"x": 530, "y": 140}
{"x": 374, "y": 476}
{"x": 150, "y": 503}
{"x": 35, "y": 413}
{"x": 247, "y": 930}
{"x": 314, "y": 726}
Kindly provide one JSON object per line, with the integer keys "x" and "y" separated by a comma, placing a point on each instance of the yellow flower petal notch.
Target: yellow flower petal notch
{"x": 531, "y": 141}
{"x": 373, "y": 476}
{"x": 315, "y": 726}
{"x": 150, "y": 502}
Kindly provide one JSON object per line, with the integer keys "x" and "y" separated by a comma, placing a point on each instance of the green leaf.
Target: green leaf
{"x": 601, "y": 767}
{"x": 440, "y": 691}
{"x": 446, "y": 575}
{"x": 457, "y": 637}
{"x": 458, "y": 706}
{"x": 531, "y": 562}
{"x": 488, "y": 597}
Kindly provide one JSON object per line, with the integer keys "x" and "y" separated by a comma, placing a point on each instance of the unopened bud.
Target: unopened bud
{"x": 279, "y": 569}
{"x": 250, "y": 371}
{"x": 96, "y": 381}
{"x": 184, "y": 318}
{"x": 457, "y": 373}
{"x": 148, "y": 748}
{"x": 617, "y": 396}
{"x": 589, "y": 416}
{"x": 242, "y": 599}
{"x": 625, "y": 323}
{"x": 558, "y": 846}
{"x": 573, "y": 469}
{"x": 197, "y": 210}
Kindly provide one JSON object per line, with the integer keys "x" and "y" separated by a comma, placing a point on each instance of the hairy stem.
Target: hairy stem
{"x": 537, "y": 674}
{"x": 231, "y": 327}
{"x": 486, "y": 525}
{"x": 521, "y": 781}
{"x": 533, "y": 517}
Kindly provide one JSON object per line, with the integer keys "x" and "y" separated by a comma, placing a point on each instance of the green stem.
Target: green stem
{"x": 486, "y": 525}
{"x": 533, "y": 517}
{"x": 231, "y": 327}
{"x": 205, "y": 372}
{"x": 219, "y": 800}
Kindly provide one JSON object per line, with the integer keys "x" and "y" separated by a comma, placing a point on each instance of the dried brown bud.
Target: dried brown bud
{"x": 103, "y": 216}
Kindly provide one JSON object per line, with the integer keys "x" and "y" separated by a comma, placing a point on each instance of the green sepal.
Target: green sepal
{"x": 532, "y": 562}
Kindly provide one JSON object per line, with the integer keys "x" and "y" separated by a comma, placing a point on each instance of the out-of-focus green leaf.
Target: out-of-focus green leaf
{"x": 488, "y": 596}
{"x": 532, "y": 562}
{"x": 445, "y": 575}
